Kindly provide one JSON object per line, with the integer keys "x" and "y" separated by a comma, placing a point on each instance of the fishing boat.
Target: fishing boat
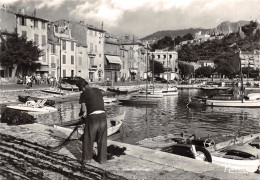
{"x": 69, "y": 87}
{"x": 251, "y": 100}
{"x": 24, "y": 99}
{"x": 230, "y": 151}
{"x": 32, "y": 106}
{"x": 109, "y": 100}
{"x": 237, "y": 153}
{"x": 137, "y": 101}
{"x": 113, "y": 125}
{"x": 53, "y": 91}
{"x": 118, "y": 91}
{"x": 176, "y": 144}
{"x": 164, "y": 92}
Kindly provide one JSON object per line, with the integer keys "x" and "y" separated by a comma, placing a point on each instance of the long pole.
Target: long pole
{"x": 241, "y": 75}
{"x": 146, "y": 73}
{"x": 167, "y": 70}
{"x": 60, "y": 65}
{"x": 153, "y": 74}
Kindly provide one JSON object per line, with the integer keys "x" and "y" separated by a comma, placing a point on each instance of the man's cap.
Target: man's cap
{"x": 81, "y": 83}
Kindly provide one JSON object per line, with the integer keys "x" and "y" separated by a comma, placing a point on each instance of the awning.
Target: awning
{"x": 114, "y": 59}
{"x": 133, "y": 71}
{"x": 43, "y": 68}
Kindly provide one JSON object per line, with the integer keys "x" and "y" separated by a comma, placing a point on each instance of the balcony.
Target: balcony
{"x": 92, "y": 67}
{"x": 92, "y": 53}
{"x": 115, "y": 67}
{"x": 53, "y": 65}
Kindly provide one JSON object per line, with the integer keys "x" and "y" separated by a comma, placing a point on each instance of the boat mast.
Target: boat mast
{"x": 167, "y": 70}
{"x": 153, "y": 74}
{"x": 146, "y": 72}
{"x": 241, "y": 74}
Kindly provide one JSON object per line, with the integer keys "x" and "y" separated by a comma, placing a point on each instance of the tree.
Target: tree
{"x": 185, "y": 69}
{"x": 205, "y": 71}
{"x": 188, "y": 36}
{"x": 17, "y": 52}
{"x": 158, "y": 66}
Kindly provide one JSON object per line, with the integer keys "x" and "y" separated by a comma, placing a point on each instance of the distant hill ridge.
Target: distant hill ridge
{"x": 225, "y": 27}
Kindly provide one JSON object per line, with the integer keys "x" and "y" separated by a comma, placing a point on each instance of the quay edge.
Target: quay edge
{"x": 138, "y": 163}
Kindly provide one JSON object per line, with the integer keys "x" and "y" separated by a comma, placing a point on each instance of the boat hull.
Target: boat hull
{"x": 24, "y": 99}
{"x": 118, "y": 120}
{"x": 232, "y": 165}
{"x": 33, "y": 109}
{"x": 232, "y": 103}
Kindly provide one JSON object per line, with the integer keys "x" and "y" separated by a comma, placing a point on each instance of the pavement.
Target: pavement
{"x": 136, "y": 163}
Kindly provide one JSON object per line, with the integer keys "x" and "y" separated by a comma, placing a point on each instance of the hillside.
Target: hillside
{"x": 228, "y": 27}
{"x": 174, "y": 33}
{"x": 225, "y": 27}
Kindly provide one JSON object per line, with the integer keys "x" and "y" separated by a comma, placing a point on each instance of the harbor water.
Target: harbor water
{"x": 171, "y": 115}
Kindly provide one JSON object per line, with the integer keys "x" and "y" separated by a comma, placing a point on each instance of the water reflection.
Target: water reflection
{"x": 171, "y": 115}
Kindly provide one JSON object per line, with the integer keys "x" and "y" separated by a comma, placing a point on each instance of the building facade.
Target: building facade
{"x": 169, "y": 62}
{"x": 112, "y": 60}
{"x": 66, "y": 67}
{"x": 250, "y": 59}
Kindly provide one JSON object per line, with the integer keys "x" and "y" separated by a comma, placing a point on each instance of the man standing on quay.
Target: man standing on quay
{"x": 93, "y": 111}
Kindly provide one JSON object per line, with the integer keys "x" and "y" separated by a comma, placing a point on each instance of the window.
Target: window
{"x": 43, "y": 25}
{"x": 72, "y": 73}
{"x": 64, "y": 72}
{"x": 170, "y": 56}
{"x": 72, "y": 46}
{"x": 91, "y": 61}
{"x": 43, "y": 40}
{"x": 52, "y": 59}
{"x": 164, "y": 56}
{"x": 99, "y": 42}
{"x": 99, "y": 55}
{"x": 24, "y": 34}
{"x": 91, "y": 47}
{"x": 95, "y": 48}
{"x": 72, "y": 60}
{"x": 158, "y": 56}
{"x": 22, "y": 21}
{"x": 64, "y": 59}
{"x": 80, "y": 61}
{"x": 36, "y": 23}
{"x": 36, "y": 38}
{"x": 53, "y": 48}
{"x": 44, "y": 57}
{"x": 63, "y": 45}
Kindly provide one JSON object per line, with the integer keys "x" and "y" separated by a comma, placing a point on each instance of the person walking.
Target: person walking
{"x": 93, "y": 111}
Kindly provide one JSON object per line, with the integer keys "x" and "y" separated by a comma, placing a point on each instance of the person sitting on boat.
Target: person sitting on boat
{"x": 93, "y": 111}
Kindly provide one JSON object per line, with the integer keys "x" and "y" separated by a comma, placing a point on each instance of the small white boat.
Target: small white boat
{"x": 234, "y": 154}
{"x": 69, "y": 87}
{"x": 253, "y": 100}
{"x": 32, "y": 106}
{"x": 109, "y": 100}
{"x": 148, "y": 95}
{"x": 113, "y": 125}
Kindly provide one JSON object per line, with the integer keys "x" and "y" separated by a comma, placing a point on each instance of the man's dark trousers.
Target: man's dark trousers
{"x": 95, "y": 131}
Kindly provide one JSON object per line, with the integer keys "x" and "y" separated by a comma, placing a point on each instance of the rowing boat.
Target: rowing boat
{"x": 24, "y": 99}
{"x": 113, "y": 125}
{"x": 31, "y": 106}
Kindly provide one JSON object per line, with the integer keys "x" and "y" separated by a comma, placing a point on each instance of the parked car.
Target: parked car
{"x": 71, "y": 80}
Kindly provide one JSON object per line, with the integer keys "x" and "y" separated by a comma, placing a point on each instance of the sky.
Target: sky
{"x": 143, "y": 17}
